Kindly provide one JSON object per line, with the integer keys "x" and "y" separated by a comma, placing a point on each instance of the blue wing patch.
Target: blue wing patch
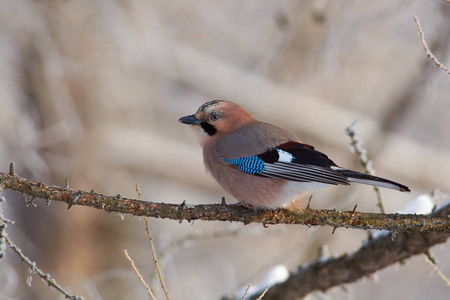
{"x": 251, "y": 164}
{"x": 291, "y": 161}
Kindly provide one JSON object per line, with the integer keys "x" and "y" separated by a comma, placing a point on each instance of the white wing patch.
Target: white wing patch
{"x": 336, "y": 168}
{"x": 284, "y": 156}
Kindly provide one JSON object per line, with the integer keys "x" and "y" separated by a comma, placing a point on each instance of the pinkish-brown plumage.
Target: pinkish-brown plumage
{"x": 263, "y": 165}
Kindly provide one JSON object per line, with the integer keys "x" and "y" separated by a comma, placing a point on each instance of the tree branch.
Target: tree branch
{"x": 220, "y": 212}
{"x": 413, "y": 234}
{"x": 427, "y": 50}
{"x": 4, "y": 239}
{"x": 376, "y": 254}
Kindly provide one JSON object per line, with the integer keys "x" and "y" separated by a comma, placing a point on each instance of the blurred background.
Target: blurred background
{"x": 91, "y": 91}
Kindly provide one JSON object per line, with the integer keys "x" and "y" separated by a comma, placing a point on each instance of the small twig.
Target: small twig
{"x": 3, "y": 222}
{"x": 46, "y": 277}
{"x": 425, "y": 46}
{"x": 2, "y": 239}
{"x": 32, "y": 265}
{"x": 149, "y": 291}
{"x": 138, "y": 191}
{"x": 430, "y": 257}
{"x": 12, "y": 170}
{"x": 246, "y": 292}
{"x": 150, "y": 239}
{"x": 354, "y": 209}
{"x": 155, "y": 260}
{"x": 308, "y": 207}
{"x": 437, "y": 270}
{"x": 262, "y": 295}
{"x": 357, "y": 145}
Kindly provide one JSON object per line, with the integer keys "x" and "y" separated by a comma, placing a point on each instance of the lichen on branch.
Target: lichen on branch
{"x": 221, "y": 212}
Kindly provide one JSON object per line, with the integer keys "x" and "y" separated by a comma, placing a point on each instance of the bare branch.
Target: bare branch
{"x": 437, "y": 270}
{"x": 373, "y": 256}
{"x": 425, "y": 46}
{"x": 150, "y": 239}
{"x": 357, "y": 145}
{"x": 149, "y": 291}
{"x": 46, "y": 277}
{"x": 155, "y": 260}
{"x": 246, "y": 292}
{"x": 31, "y": 265}
{"x": 219, "y": 212}
{"x": 263, "y": 293}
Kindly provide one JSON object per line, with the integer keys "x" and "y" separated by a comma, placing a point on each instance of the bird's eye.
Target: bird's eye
{"x": 214, "y": 117}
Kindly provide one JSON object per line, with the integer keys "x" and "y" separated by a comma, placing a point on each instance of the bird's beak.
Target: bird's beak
{"x": 190, "y": 120}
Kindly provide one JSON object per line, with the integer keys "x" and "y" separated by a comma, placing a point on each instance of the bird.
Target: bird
{"x": 262, "y": 165}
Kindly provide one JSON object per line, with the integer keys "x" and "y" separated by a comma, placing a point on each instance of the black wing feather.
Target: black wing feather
{"x": 307, "y": 165}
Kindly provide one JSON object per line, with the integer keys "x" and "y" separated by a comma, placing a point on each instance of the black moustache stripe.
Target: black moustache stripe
{"x": 208, "y": 128}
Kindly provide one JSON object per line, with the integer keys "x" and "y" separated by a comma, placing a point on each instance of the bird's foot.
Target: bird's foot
{"x": 246, "y": 205}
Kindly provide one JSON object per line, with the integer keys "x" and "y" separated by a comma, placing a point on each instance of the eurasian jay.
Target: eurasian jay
{"x": 263, "y": 165}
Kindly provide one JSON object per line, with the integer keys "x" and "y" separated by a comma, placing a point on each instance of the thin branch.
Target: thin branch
{"x": 3, "y": 222}
{"x": 149, "y": 291}
{"x": 150, "y": 239}
{"x": 357, "y": 145}
{"x": 437, "y": 270}
{"x": 374, "y": 255}
{"x": 232, "y": 213}
{"x": 46, "y": 277}
{"x": 246, "y": 292}
{"x": 31, "y": 265}
{"x": 427, "y": 50}
{"x": 263, "y": 293}
{"x": 155, "y": 260}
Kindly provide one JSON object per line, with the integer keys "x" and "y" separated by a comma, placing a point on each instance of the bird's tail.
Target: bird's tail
{"x": 372, "y": 180}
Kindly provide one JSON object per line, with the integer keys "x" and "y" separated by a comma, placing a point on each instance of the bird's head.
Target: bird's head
{"x": 216, "y": 118}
